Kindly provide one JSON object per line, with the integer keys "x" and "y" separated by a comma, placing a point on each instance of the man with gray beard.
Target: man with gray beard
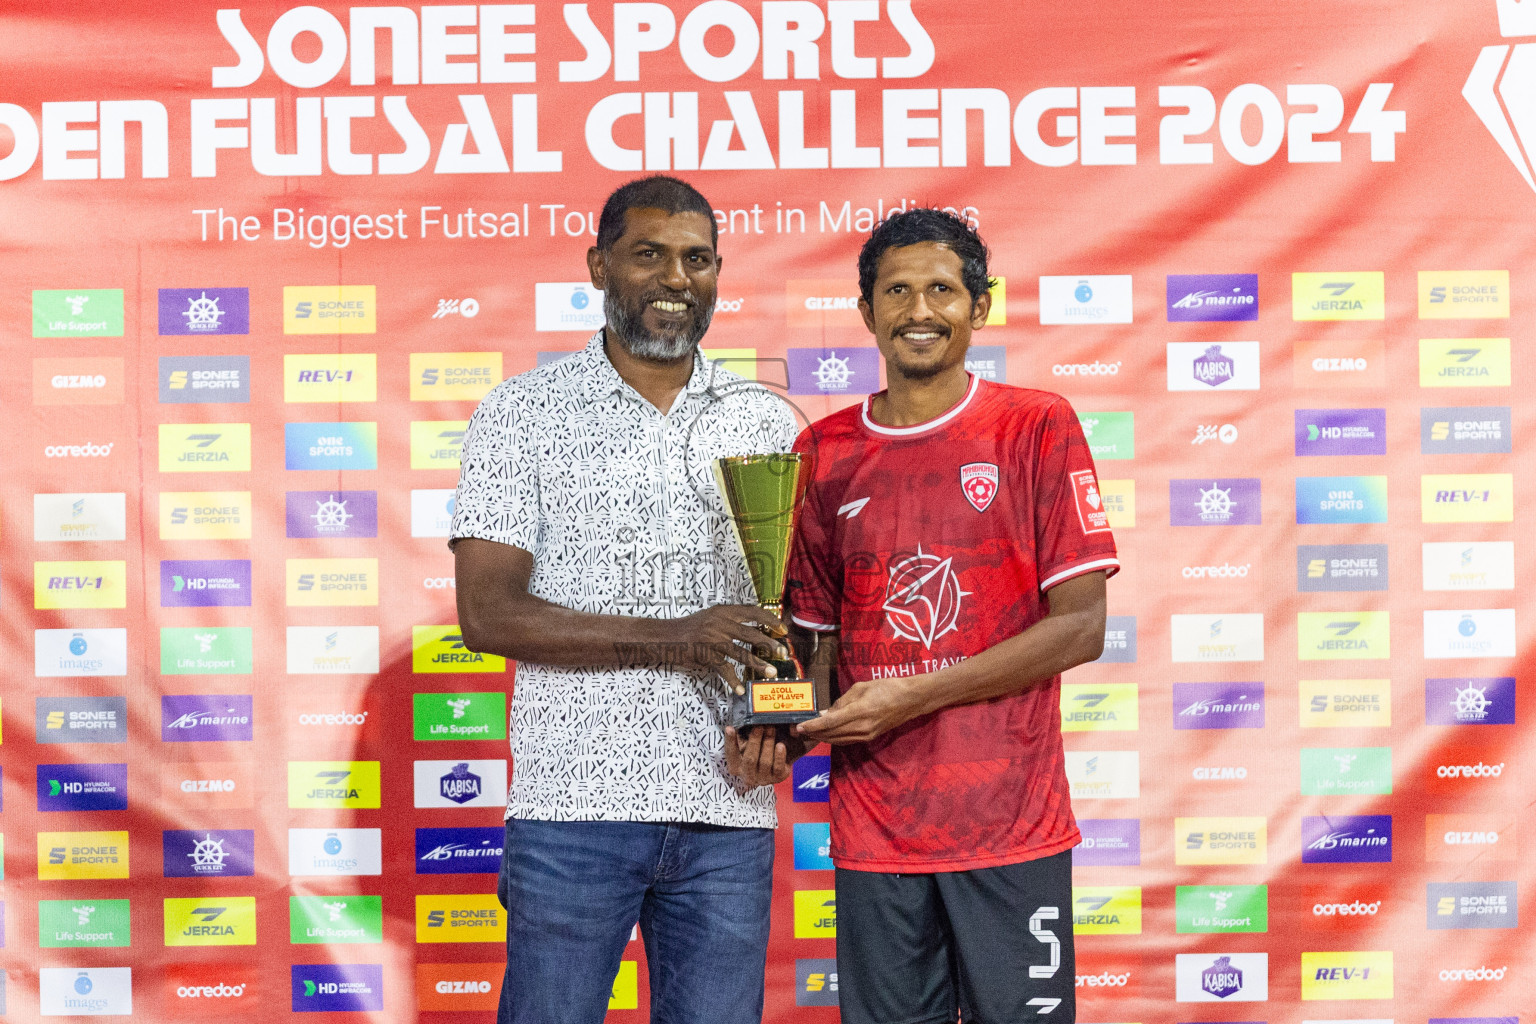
{"x": 591, "y": 546}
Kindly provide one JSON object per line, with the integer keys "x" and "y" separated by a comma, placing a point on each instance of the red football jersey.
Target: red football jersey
{"x": 923, "y": 546}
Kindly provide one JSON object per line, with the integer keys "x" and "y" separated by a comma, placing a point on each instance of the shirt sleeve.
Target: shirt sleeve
{"x": 1072, "y": 534}
{"x": 815, "y": 575}
{"x": 498, "y": 494}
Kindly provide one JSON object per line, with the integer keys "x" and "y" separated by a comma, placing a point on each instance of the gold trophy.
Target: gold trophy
{"x": 762, "y": 496}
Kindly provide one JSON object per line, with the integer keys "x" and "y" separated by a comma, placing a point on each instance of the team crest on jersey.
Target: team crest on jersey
{"x": 1090, "y": 504}
{"x": 923, "y": 597}
{"x": 978, "y": 482}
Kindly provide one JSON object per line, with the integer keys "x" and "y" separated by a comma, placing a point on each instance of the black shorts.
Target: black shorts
{"x": 989, "y": 946}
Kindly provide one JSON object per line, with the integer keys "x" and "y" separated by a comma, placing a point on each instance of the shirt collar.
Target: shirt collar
{"x": 599, "y": 379}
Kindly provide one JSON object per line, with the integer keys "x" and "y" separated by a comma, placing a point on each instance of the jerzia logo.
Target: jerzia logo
{"x": 1500, "y": 72}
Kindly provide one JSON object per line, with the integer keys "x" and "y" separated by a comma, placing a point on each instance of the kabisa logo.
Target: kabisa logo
{"x": 1098, "y": 708}
{"x": 205, "y": 719}
{"x": 333, "y": 514}
{"x": 1464, "y": 363}
{"x": 812, "y": 779}
{"x": 1218, "y": 705}
{"x": 834, "y": 371}
{"x": 459, "y": 784}
{"x": 437, "y": 444}
{"x": 1229, "y": 297}
{"x": 331, "y": 377}
{"x": 1220, "y": 841}
{"x": 458, "y": 851}
{"x": 473, "y": 783}
{"x": 207, "y": 921}
{"x": 1339, "y": 296}
{"x": 352, "y": 784}
{"x": 1222, "y": 502}
{"x": 1221, "y": 978}
{"x": 923, "y": 598}
{"x": 352, "y": 445}
{"x": 1228, "y": 366}
{"x": 1347, "y": 839}
{"x": 1501, "y": 70}
{"x": 453, "y": 376}
{"x": 1108, "y": 842}
{"x": 205, "y": 311}
{"x": 441, "y": 649}
{"x": 208, "y": 853}
{"x": 330, "y": 309}
{"x": 205, "y": 379}
{"x": 205, "y": 447}
{"x": 1470, "y": 701}
{"x": 80, "y": 652}
{"x": 1477, "y": 905}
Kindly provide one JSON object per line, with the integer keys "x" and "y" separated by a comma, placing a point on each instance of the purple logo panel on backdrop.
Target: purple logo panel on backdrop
{"x": 319, "y": 988}
{"x": 1218, "y": 705}
{"x": 82, "y": 787}
{"x": 208, "y": 853}
{"x": 1218, "y": 502}
{"x": 1469, "y": 701}
{"x": 333, "y": 514}
{"x": 834, "y": 371}
{"x": 1347, "y": 839}
{"x": 205, "y": 583}
{"x": 205, "y": 719}
{"x": 1195, "y": 297}
{"x": 1108, "y": 842}
{"x": 205, "y": 311}
{"x": 1341, "y": 432}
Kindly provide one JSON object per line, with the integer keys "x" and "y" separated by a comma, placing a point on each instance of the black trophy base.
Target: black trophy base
{"x": 784, "y": 700}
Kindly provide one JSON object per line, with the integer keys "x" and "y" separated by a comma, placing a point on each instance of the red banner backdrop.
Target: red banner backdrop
{"x": 1276, "y": 255}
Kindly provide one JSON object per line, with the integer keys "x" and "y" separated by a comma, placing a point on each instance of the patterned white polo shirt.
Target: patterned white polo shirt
{"x": 618, "y": 505}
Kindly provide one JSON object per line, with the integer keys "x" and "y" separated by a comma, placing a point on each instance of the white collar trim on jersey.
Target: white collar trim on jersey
{"x": 920, "y": 428}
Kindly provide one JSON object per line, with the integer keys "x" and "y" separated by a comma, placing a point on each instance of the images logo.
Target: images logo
{"x": 1228, "y": 297}
{"x": 333, "y": 784}
{"x": 330, "y": 309}
{"x": 1102, "y": 299}
{"x": 567, "y": 306}
{"x": 1218, "y": 705}
{"x": 1221, "y": 978}
{"x": 1454, "y": 430}
{"x": 82, "y": 787}
{"x": 459, "y": 851}
{"x": 816, "y": 982}
{"x": 1341, "y": 432}
{"x": 1341, "y": 499}
{"x": 1347, "y": 839}
{"x": 454, "y": 376}
{"x": 205, "y": 447}
{"x": 1343, "y": 636}
{"x": 71, "y": 855}
{"x": 331, "y": 445}
{"x": 79, "y": 585}
{"x": 1119, "y": 640}
{"x": 1104, "y": 774}
{"x": 1331, "y": 771}
{"x": 1219, "y": 637}
{"x": 1463, "y": 294}
{"x": 459, "y": 716}
{"x": 812, "y": 779}
{"x": 1229, "y": 366}
{"x": 813, "y": 846}
{"x": 1472, "y": 905}
{"x": 63, "y": 924}
{"x": 834, "y": 371}
{"x": 81, "y": 992}
{"x": 1464, "y": 363}
{"x": 479, "y": 783}
{"x": 1228, "y": 502}
{"x": 344, "y": 919}
{"x": 1465, "y": 838}
{"x": 82, "y": 719}
{"x": 208, "y": 853}
{"x": 1468, "y": 701}
{"x": 1221, "y": 909}
{"x": 80, "y": 652}
{"x": 205, "y": 583}
{"x": 334, "y": 851}
{"x": 1346, "y": 975}
{"x": 77, "y": 313}
{"x": 333, "y": 582}
{"x": 210, "y": 379}
{"x": 324, "y": 988}
{"x": 431, "y": 512}
{"x": 1105, "y": 707}
{"x": 1485, "y": 633}
{"x": 441, "y": 649}
{"x": 202, "y": 311}
{"x": 333, "y": 650}
{"x": 474, "y": 918}
{"x": 205, "y": 719}
{"x": 1220, "y": 841}
{"x": 436, "y": 444}
{"x": 333, "y": 514}
{"x": 1341, "y": 567}
{"x": 1108, "y": 842}
{"x": 1468, "y": 498}
{"x": 1106, "y": 910}
{"x": 816, "y": 914}
{"x": 1339, "y": 296}
{"x": 331, "y": 377}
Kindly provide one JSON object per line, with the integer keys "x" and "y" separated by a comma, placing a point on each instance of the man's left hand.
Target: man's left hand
{"x": 759, "y": 758}
{"x": 867, "y": 710}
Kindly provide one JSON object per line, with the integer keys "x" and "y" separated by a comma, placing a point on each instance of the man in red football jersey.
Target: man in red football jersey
{"x": 953, "y": 549}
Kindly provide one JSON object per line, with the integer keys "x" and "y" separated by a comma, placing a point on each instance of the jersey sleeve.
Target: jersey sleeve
{"x": 498, "y": 494}
{"x": 1072, "y": 534}
{"x": 815, "y": 586}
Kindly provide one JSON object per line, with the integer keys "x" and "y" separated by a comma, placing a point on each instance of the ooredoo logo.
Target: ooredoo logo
{"x": 89, "y": 450}
{"x": 1097, "y": 368}
{"x": 1474, "y": 974}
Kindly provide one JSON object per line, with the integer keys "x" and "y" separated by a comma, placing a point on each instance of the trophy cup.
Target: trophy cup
{"x": 762, "y": 495}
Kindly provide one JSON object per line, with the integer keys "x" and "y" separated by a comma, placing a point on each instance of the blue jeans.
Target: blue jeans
{"x": 573, "y": 890}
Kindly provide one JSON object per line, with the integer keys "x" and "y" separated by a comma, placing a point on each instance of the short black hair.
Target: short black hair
{"x": 658, "y": 192}
{"x": 924, "y": 224}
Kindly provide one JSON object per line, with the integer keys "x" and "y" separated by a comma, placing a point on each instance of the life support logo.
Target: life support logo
{"x": 923, "y": 598}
